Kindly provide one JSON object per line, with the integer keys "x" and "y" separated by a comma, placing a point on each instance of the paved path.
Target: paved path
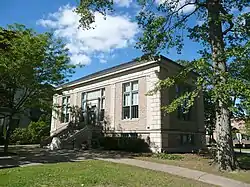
{"x": 37, "y": 156}
{"x": 183, "y": 172}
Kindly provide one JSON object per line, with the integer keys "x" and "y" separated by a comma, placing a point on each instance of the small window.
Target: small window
{"x": 129, "y": 135}
{"x": 130, "y": 108}
{"x": 126, "y": 87}
{"x": 187, "y": 139}
{"x": 135, "y": 86}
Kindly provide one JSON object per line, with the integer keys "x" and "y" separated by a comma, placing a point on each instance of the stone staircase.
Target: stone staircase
{"x": 77, "y": 138}
{"x": 74, "y": 137}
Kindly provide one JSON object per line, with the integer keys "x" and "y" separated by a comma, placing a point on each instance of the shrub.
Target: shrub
{"x": 20, "y": 136}
{"x": 33, "y": 134}
{"x": 135, "y": 145}
{"x": 166, "y": 156}
{"x": 38, "y": 131}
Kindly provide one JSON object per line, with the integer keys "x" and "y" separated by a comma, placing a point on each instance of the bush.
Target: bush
{"x": 33, "y": 134}
{"x": 135, "y": 145}
{"x": 38, "y": 131}
{"x": 166, "y": 156}
{"x": 20, "y": 136}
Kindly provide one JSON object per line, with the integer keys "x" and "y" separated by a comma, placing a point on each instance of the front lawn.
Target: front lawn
{"x": 202, "y": 163}
{"x": 89, "y": 173}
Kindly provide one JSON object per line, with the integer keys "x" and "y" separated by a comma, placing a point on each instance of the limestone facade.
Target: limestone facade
{"x": 164, "y": 131}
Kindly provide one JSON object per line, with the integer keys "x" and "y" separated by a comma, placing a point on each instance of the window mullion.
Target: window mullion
{"x": 130, "y": 107}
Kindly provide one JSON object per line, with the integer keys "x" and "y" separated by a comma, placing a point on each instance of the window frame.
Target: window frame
{"x": 190, "y": 139}
{"x": 130, "y": 94}
{"x": 101, "y": 102}
{"x": 64, "y": 118}
{"x": 179, "y": 90}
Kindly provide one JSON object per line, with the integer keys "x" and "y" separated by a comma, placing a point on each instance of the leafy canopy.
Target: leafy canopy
{"x": 31, "y": 64}
{"x": 165, "y": 24}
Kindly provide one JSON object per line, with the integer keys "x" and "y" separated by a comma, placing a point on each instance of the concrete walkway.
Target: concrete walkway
{"x": 182, "y": 172}
{"x": 29, "y": 156}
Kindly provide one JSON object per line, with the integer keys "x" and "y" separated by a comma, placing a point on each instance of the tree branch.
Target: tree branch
{"x": 184, "y": 18}
{"x": 23, "y": 99}
{"x": 231, "y": 24}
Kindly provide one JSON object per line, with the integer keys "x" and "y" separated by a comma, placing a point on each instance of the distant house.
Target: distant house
{"x": 118, "y": 96}
{"x": 238, "y": 125}
{"x": 19, "y": 119}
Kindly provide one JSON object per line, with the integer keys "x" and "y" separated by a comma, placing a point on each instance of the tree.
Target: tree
{"x": 209, "y": 113}
{"x": 30, "y": 64}
{"x": 224, "y": 37}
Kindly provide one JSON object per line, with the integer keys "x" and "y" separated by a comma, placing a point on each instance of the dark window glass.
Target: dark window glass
{"x": 102, "y": 114}
{"x": 134, "y": 111}
{"x": 130, "y": 102}
{"x": 126, "y": 112}
{"x": 187, "y": 139}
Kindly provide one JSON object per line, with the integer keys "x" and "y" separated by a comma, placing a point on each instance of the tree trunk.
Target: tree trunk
{"x": 7, "y": 138}
{"x": 225, "y": 156}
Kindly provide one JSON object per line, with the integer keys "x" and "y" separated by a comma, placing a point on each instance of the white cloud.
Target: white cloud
{"x": 123, "y": 3}
{"x": 116, "y": 32}
{"x": 78, "y": 58}
{"x": 102, "y": 58}
{"x": 180, "y": 3}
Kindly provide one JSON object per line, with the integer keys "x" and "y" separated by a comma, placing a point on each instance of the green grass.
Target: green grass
{"x": 89, "y": 173}
{"x": 201, "y": 163}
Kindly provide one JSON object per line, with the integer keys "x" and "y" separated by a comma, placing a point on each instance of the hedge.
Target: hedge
{"x": 124, "y": 144}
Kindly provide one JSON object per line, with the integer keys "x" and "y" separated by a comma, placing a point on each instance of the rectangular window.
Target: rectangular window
{"x": 182, "y": 114}
{"x": 94, "y": 100}
{"x": 187, "y": 139}
{"x": 84, "y": 101}
{"x": 130, "y": 102}
{"x": 65, "y": 109}
{"x": 102, "y": 105}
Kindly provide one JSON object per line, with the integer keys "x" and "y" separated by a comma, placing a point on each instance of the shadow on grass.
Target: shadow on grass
{"x": 24, "y": 155}
{"x": 244, "y": 160}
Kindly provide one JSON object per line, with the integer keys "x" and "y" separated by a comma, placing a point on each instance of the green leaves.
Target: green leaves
{"x": 30, "y": 64}
{"x": 87, "y": 8}
{"x": 223, "y": 69}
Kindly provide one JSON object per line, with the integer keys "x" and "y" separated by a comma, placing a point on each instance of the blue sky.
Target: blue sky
{"x": 108, "y": 45}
